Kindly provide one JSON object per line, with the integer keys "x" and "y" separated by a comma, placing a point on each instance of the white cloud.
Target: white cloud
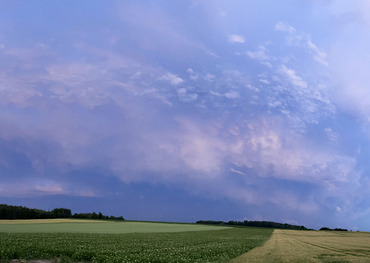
{"x": 319, "y": 55}
{"x": 237, "y": 171}
{"x": 333, "y": 136}
{"x": 74, "y": 74}
{"x": 16, "y": 189}
{"x": 252, "y": 88}
{"x": 50, "y": 189}
{"x": 215, "y": 93}
{"x": 209, "y": 77}
{"x": 88, "y": 84}
{"x": 304, "y": 41}
{"x": 266, "y": 149}
{"x": 155, "y": 94}
{"x": 229, "y": 95}
{"x": 212, "y": 54}
{"x": 236, "y": 39}
{"x": 281, "y": 26}
{"x": 173, "y": 79}
{"x": 17, "y": 91}
{"x": 261, "y": 56}
{"x": 264, "y": 81}
{"x": 27, "y": 189}
{"x": 185, "y": 96}
{"x": 291, "y": 76}
{"x": 192, "y": 74}
{"x": 201, "y": 150}
{"x": 232, "y": 95}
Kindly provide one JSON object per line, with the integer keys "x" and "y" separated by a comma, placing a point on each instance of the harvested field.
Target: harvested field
{"x": 311, "y": 246}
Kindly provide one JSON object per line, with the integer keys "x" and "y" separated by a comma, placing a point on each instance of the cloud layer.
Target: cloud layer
{"x": 273, "y": 118}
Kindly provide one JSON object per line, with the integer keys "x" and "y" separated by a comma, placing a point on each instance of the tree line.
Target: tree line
{"x": 22, "y": 212}
{"x": 266, "y": 224}
{"x": 335, "y": 229}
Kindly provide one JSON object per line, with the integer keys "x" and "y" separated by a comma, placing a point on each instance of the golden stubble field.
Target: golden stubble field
{"x": 311, "y": 246}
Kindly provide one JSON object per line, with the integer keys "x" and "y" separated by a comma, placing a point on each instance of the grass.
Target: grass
{"x": 190, "y": 246}
{"x": 95, "y": 226}
{"x": 311, "y": 246}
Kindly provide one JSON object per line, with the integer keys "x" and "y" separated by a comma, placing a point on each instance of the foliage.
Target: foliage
{"x": 335, "y": 229}
{"x": 198, "y": 246}
{"x": 94, "y": 215}
{"x": 61, "y": 213}
{"x": 265, "y": 224}
{"x": 22, "y": 212}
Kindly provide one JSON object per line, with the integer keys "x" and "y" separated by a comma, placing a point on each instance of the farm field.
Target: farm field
{"x": 95, "y": 226}
{"x": 311, "y": 246}
{"x": 189, "y": 243}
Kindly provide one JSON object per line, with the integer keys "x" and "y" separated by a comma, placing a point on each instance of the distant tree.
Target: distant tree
{"x": 340, "y": 229}
{"x": 267, "y": 224}
{"x": 20, "y": 212}
{"x": 61, "y": 213}
{"x": 94, "y": 215}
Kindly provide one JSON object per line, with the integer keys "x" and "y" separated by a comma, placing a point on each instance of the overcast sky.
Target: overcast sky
{"x": 188, "y": 110}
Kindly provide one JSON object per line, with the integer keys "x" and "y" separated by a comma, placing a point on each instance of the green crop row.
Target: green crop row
{"x": 198, "y": 246}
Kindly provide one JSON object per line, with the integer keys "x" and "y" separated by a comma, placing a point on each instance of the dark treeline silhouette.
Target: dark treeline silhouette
{"x": 335, "y": 229}
{"x": 94, "y": 215}
{"x": 266, "y": 224}
{"x": 22, "y": 212}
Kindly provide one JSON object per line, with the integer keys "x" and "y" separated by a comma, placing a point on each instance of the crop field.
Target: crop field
{"x": 189, "y": 243}
{"x": 311, "y": 246}
{"x": 95, "y": 226}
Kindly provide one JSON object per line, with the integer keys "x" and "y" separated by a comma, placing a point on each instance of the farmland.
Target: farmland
{"x": 95, "y": 226}
{"x": 95, "y": 241}
{"x": 311, "y": 246}
{"x": 71, "y": 240}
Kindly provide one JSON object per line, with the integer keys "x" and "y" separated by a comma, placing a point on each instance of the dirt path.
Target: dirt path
{"x": 311, "y": 246}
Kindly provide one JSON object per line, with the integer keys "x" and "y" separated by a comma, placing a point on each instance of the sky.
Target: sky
{"x": 188, "y": 110}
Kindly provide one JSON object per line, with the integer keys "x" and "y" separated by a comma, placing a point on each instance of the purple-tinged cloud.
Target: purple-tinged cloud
{"x": 216, "y": 101}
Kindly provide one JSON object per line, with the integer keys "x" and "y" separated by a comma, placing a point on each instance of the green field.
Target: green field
{"x": 311, "y": 246}
{"x": 103, "y": 241}
{"x": 95, "y": 226}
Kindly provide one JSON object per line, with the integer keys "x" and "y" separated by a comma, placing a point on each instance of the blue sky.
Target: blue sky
{"x": 188, "y": 110}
